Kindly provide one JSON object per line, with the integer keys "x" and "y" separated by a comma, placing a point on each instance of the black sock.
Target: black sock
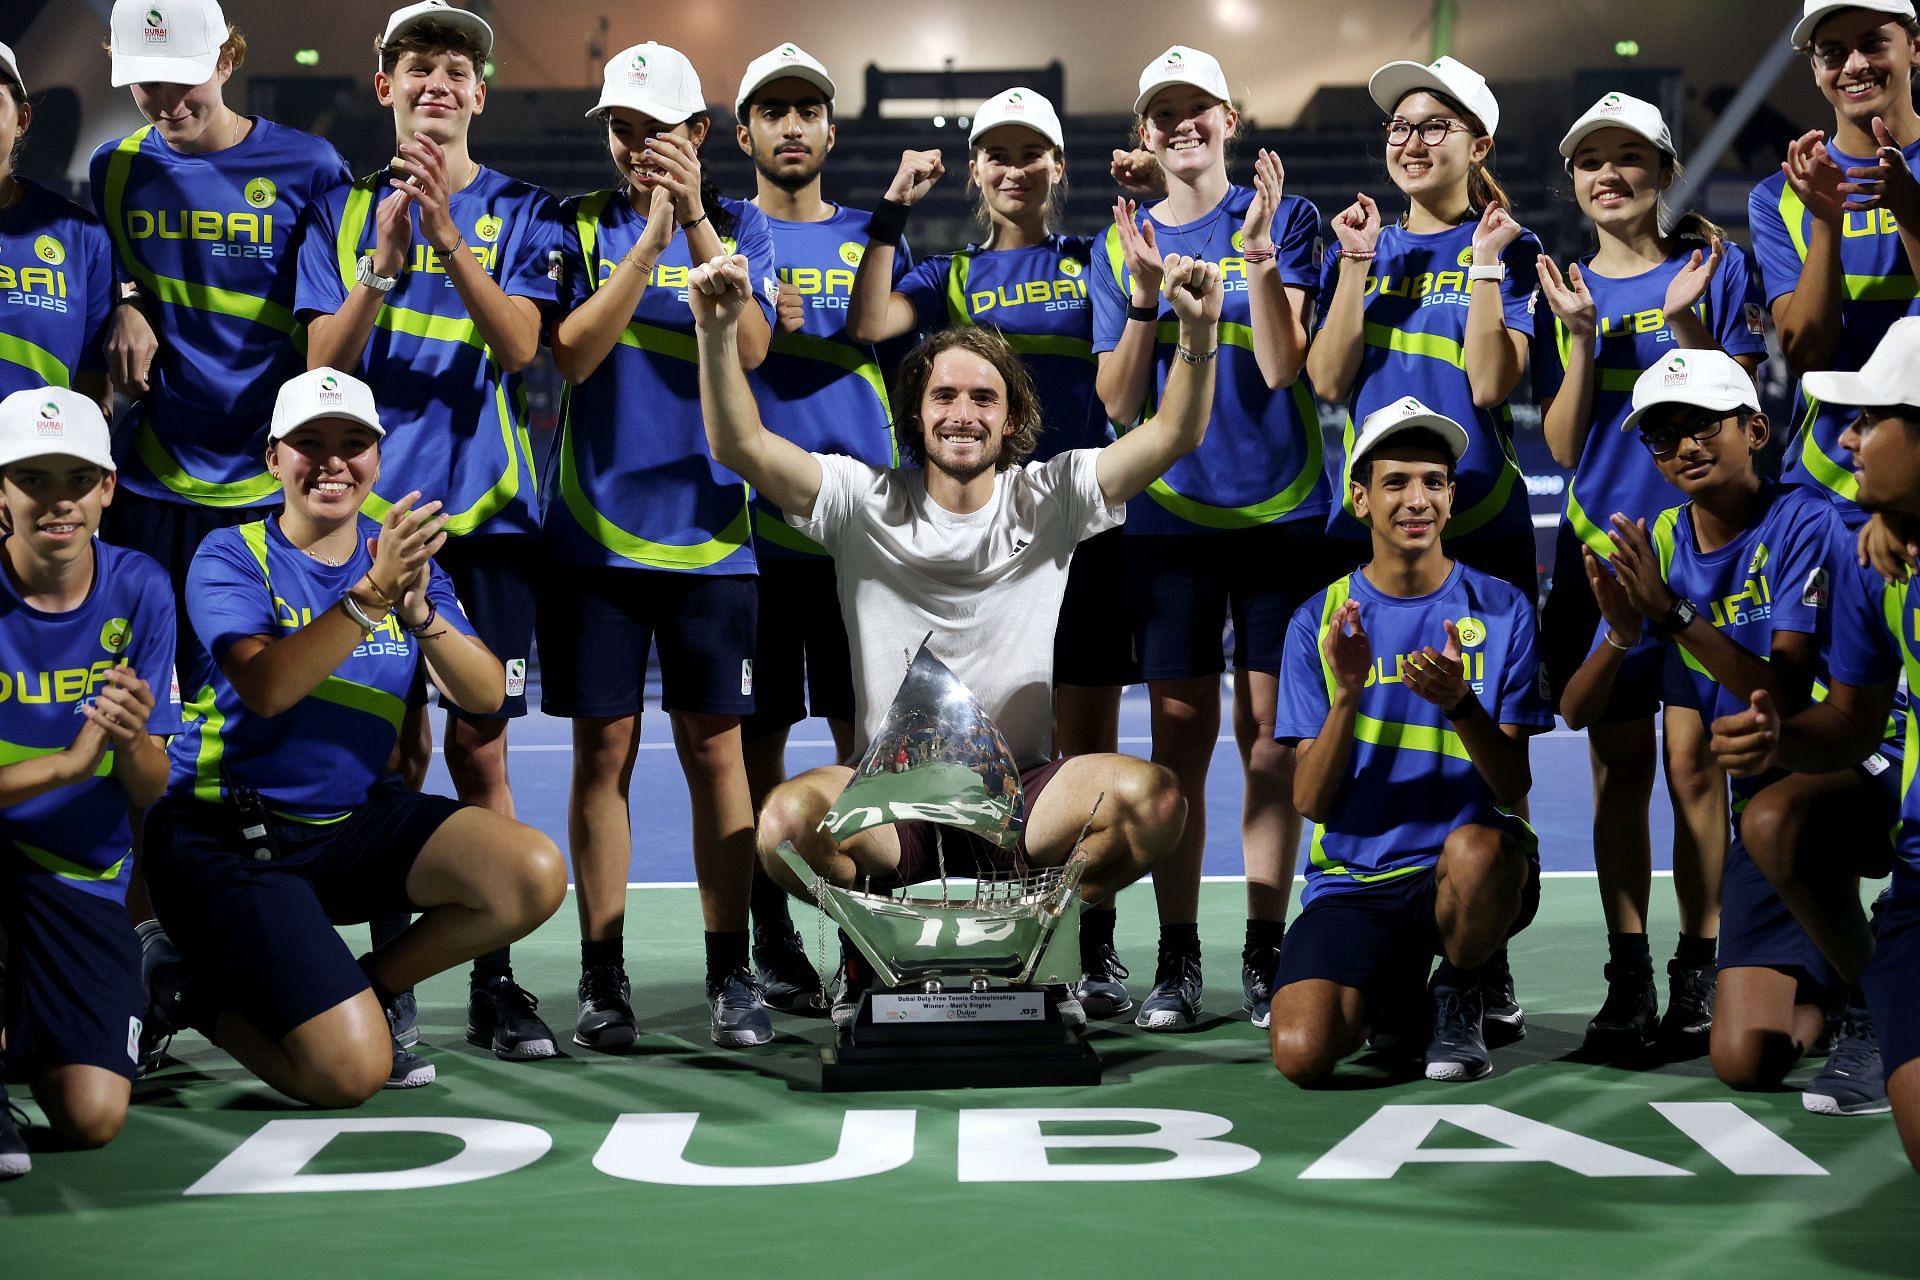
{"x": 1096, "y": 929}
{"x": 726, "y": 952}
{"x": 595, "y": 955}
{"x": 1263, "y": 935}
{"x": 380, "y": 992}
{"x": 1180, "y": 939}
{"x": 1630, "y": 951}
{"x": 768, "y": 903}
{"x": 1454, "y": 977}
{"x": 494, "y": 964}
{"x": 1697, "y": 953}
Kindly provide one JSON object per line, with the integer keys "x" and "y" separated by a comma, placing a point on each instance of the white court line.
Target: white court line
{"x": 1544, "y": 875}
{"x": 1139, "y": 741}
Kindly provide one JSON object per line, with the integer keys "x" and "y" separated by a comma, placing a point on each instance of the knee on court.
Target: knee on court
{"x": 87, "y": 1117}
{"x": 1304, "y": 1055}
{"x": 1754, "y": 1060}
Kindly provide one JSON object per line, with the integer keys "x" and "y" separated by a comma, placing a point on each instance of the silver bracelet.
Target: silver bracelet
{"x": 353, "y": 610}
{"x": 1615, "y": 644}
{"x": 1192, "y": 357}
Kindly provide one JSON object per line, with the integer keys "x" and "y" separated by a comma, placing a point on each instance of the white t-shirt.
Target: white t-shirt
{"x": 987, "y": 585}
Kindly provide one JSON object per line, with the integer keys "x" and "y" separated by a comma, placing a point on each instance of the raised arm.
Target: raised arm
{"x": 1495, "y": 355}
{"x": 1320, "y": 767}
{"x": 875, "y": 313}
{"x": 1278, "y": 310}
{"x": 1124, "y": 375}
{"x": 1141, "y": 456}
{"x": 1333, "y": 362}
{"x": 1809, "y": 317}
{"x": 1567, "y": 417}
{"x": 338, "y": 341}
{"x": 588, "y": 333}
{"x": 784, "y": 473}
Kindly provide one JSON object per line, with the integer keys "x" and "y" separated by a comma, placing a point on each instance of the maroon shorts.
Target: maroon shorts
{"x": 968, "y": 855}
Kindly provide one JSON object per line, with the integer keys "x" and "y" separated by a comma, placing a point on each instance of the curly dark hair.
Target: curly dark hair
{"x": 1023, "y": 402}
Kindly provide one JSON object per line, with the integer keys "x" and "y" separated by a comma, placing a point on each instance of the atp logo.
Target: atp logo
{"x": 116, "y": 635}
{"x": 49, "y": 251}
{"x": 261, "y": 193}
{"x": 488, "y": 228}
{"x": 851, "y": 253}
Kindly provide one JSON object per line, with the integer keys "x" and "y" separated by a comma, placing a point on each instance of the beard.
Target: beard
{"x": 788, "y": 179}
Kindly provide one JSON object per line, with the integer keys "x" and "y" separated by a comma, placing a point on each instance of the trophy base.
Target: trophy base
{"x": 1007, "y": 1038}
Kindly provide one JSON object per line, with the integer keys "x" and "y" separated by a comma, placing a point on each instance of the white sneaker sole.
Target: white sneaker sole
{"x": 16, "y": 1166}
{"x": 420, "y": 1075}
{"x": 741, "y": 1039}
{"x": 1821, "y": 1105}
{"x": 528, "y": 1051}
{"x": 1456, "y": 1071}
{"x": 1164, "y": 1019}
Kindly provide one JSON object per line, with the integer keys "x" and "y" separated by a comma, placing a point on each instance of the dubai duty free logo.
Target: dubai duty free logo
{"x": 50, "y": 424}
{"x": 154, "y": 28}
{"x": 1676, "y": 373}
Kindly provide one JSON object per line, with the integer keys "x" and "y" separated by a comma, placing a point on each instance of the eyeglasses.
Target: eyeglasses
{"x": 1432, "y": 132}
{"x": 1663, "y": 441}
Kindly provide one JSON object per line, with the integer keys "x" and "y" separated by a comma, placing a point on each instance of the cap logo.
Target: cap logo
{"x": 49, "y": 251}
{"x": 155, "y": 31}
{"x": 488, "y": 228}
{"x": 789, "y": 54}
{"x": 1175, "y": 58}
{"x": 329, "y": 391}
{"x": 261, "y": 193}
{"x": 115, "y": 635}
{"x": 1676, "y": 372}
{"x": 50, "y": 425}
{"x": 851, "y": 252}
{"x": 1611, "y": 104}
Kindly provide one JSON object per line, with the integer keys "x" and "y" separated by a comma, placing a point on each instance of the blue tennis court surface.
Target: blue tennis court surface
{"x": 541, "y": 762}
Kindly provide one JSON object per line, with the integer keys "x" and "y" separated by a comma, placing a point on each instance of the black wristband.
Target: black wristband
{"x": 1149, "y": 314}
{"x": 888, "y": 222}
{"x": 1463, "y": 708}
{"x": 688, "y": 226}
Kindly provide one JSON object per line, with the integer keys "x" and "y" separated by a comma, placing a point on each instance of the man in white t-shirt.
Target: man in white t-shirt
{"x": 973, "y": 546}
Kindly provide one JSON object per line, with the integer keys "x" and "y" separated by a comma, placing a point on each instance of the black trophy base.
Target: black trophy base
{"x": 886, "y": 1050}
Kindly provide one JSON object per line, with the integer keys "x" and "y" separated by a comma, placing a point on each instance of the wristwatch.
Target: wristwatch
{"x": 366, "y": 275}
{"x": 1678, "y": 618}
{"x": 1497, "y": 271}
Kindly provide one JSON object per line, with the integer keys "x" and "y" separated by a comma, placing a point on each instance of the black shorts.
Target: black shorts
{"x": 171, "y": 532}
{"x": 1093, "y": 646}
{"x": 967, "y": 855}
{"x": 1892, "y": 977}
{"x": 263, "y": 932}
{"x": 1183, "y": 588}
{"x": 597, "y": 624}
{"x": 73, "y": 995}
{"x": 494, "y": 576}
{"x": 1568, "y": 623}
{"x": 801, "y": 659}
{"x": 1382, "y": 938}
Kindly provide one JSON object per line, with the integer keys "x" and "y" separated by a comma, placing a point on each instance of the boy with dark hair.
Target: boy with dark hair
{"x": 431, "y": 279}
{"x": 1410, "y": 766}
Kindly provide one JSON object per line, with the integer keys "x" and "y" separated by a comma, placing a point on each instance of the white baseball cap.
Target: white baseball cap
{"x": 1393, "y": 82}
{"x": 653, "y": 79}
{"x": 1181, "y": 65}
{"x": 323, "y": 393}
{"x": 1817, "y": 12}
{"x": 1620, "y": 111}
{"x": 1701, "y": 379}
{"x": 777, "y": 64}
{"x": 400, "y": 21}
{"x": 1890, "y": 376}
{"x": 53, "y": 420}
{"x": 1406, "y": 414}
{"x": 1021, "y": 106}
{"x": 11, "y": 66}
{"x": 166, "y": 41}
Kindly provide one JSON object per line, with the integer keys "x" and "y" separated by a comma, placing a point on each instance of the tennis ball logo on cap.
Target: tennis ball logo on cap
{"x": 155, "y": 31}
{"x": 116, "y": 634}
{"x": 261, "y": 193}
{"x": 51, "y": 425}
{"x": 49, "y": 251}
{"x": 1676, "y": 373}
{"x": 1473, "y": 632}
{"x": 851, "y": 253}
{"x": 488, "y": 228}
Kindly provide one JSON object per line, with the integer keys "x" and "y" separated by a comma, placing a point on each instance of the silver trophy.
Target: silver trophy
{"x": 963, "y": 965}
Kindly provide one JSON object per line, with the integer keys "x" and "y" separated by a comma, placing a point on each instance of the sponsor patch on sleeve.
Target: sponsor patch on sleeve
{"x": 1815, "y": 593}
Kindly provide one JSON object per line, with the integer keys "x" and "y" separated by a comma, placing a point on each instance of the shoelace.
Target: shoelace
{"x": 782, "y": 954}
{"x": 1178, "y": 967}
{"x": 602, "y": 985}
{"x": 1854, "y": 1051}
{"x": 1452, "y": 1017}
{"x": 517, "y": 999}
{"x": 738, "y": 990}
{"x": 1106, "y": 963}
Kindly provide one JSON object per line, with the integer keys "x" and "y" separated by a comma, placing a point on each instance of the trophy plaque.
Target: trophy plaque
{"x": 957, "y": 999}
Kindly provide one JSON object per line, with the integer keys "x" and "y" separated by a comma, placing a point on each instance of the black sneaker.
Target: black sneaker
{"x": 1175, "y": 998}
{"x": 501, "y": 1017}
{"x": 1459, "y": 1047}
{"x": 15, "y": 1160}
{"x": 169, "y": 984}
{"x": 1629, "y": 1018}
{"x": 1256, "y": 983}
{"x": 409, "y": 1070}
{"x": 1853, "y": 1083}
{"x": 406, "y": 1019}
{"x": 606, "y": 1009}
{"x": 1503, "y": 1020}
{"x": 739, "y": 1012}
{"x": 1688, "y": 1021}
{"x": 1102, "y": 987}
{"x": 788, "y": 980}
{"x": 850, "y": 983}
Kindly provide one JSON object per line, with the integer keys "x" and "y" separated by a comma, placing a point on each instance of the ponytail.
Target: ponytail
{"x": 1688, "y": 226}
{"x": 1484, "y": 190}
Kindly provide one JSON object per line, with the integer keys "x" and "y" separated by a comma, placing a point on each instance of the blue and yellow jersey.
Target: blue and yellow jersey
{"x": 1876, "y": 639}
{"x": 1414, "y": 331}
{"x": 52, "y": 664}
{"x": 818, "y": 387}
{"x": 1262, "y": 461}
{"x": 316, "y": 760}
{"x": 635, "y": 486}
{"x": 1615, "y": 472}
{"x": 1880, "y": 288}
{"x": 56, "y": 288}
{"x": 213, "y": 239}
{"x": 1037, "y": 297}
{"x": 456, "y": 421}
{"x": 1410, "y": 780}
